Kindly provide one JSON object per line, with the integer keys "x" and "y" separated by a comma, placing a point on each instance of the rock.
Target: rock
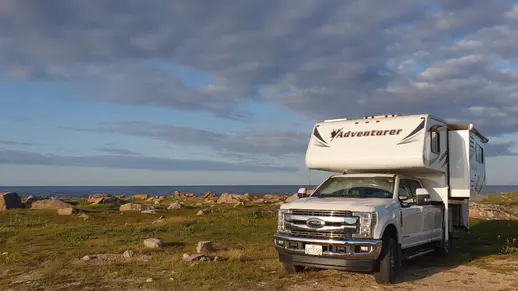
{"x": 5, "y": 253}
{"x": 140, "y": 196}
{"x": 175, "y": 206}
{"x": 96, "y": 197}
{"x": 153, "y": 243}
{"x": 106, "y": 200}
{"x": 149, "y": 280}
{"x": 186, "y": 255}
{"x": 291, "y": 198}
{"x": 135, "y": 207}
{"x": 31, "y": 199}
{"x": 204, "y": 246}
{"x": 53, "y": 204}
{"x": 129, "y": 254}
{"x": 239, "y": 204}
{"x": 490, "y": 211}
{"x": 84, "y": 216}
{"x": 86, "y": 258}
{"x": 204, "y": 211}
{"x": 209, "y": 195}
{"x": 230, "y": 198}
{"x": 148, "y": 211}
{"x": 10, "y": 200}
{"x": 209, "y": 201}
{"x": 260, "y": 200}
{"x": 193, "y": 258}
{"x": 272, "y": 198}
{"x": 67, "y": 211}
{"x": 121, "y": 197}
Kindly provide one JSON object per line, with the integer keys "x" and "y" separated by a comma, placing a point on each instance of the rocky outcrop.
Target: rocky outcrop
{"x": 52, "y": 204}
{"x": 106, "y": 200}
{"x": 10, "y": 200}
{"x": 204, "y": 246}
{"x": 491, "y": 211}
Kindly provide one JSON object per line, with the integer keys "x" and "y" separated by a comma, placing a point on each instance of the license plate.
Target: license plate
{"x": 315, "y": 250}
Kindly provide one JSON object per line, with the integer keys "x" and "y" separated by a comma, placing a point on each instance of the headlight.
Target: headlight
{"x": 367, "y": 223}
{"x": 281, "y": 220}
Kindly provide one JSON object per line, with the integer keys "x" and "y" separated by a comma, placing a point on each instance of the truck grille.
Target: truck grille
{"x": 311, "y": 212}
{"x": 321, "y": 224}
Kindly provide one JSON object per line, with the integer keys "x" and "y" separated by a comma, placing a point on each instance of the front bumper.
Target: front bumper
{"x": 347, "y": 255}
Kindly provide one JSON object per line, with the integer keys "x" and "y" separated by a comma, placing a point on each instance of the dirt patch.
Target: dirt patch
{"x": 459, "y": 278}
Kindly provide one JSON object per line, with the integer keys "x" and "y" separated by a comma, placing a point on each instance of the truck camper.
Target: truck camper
{"x": 399, "y": 186}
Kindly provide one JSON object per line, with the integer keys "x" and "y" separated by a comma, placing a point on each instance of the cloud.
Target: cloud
{"x": 275, "y": 143}
{"x": 15, "y": 143}
{"x": 500, "y": 148}
{"x": 132, "y": 162}
{"x": 117, "y": 151}
{"x": 325, "y": 59}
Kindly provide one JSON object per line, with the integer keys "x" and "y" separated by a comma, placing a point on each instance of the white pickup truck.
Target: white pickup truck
{"x": 398, "y": 192}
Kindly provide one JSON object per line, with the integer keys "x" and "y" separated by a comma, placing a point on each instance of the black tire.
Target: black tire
{"x": 292, "y": 269}
{"x": 388, "y": 262}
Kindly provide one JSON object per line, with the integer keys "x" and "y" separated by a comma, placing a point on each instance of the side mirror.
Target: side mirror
{"x": 423, "y": 197}
{"x": 302, "y": 193}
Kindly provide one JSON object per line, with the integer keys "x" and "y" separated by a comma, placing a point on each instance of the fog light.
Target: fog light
{"x": 364, "y": 248}
{"x": 280, "y": 242}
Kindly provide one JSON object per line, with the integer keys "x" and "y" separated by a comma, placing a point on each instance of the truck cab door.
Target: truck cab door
{"x": 411, "y": 216}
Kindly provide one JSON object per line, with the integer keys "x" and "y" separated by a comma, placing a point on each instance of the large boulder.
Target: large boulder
{"x": 175, "y": 206}
{"x": 31, "y": 199}
{"x": 231, "y": 198}
{"x": 107, "y": 200}
{"x": 53, "y": 204}
{"x": 140, "y": 196}
{"x": 10, "y": 200}
{"x": 97, "y": 197}
{"x": 209, "y": 195}
{"x": 135, "y": 207}
{"x": 67, "y": 211}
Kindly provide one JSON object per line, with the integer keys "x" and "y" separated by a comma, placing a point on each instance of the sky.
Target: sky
{"x": 197, "y": 92}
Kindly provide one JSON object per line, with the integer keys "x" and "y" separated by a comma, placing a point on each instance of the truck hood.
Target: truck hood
{"x": 338, "y": 203}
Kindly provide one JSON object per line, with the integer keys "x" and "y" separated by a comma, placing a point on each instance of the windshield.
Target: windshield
{"x": 356, "y": 187}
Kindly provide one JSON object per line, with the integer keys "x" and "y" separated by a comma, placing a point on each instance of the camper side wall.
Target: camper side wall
{"x": 459, "y": 163}
{"x": 477, "y": 164}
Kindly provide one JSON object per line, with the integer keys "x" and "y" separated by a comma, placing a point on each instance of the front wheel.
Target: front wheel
{"x": 292, "y": 269}
{"x": 386, "y": 273}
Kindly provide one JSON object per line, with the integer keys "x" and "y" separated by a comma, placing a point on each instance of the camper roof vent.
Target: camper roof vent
{"x": 380, "y": 116}
{"x": 339, "y": 119}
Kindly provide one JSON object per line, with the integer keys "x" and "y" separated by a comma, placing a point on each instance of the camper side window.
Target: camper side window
{"x": 479, "y": 154}
{"x": 435, "y": 141}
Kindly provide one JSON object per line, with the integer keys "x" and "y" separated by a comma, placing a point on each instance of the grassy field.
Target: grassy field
{"x": 39, "y": 249}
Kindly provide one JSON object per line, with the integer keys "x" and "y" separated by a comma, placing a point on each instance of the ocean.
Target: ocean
{"x": 84, "y": 191}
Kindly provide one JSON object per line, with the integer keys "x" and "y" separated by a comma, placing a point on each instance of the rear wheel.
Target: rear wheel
{"x": 292, "y": 269}
{"x": 388, "y": 263}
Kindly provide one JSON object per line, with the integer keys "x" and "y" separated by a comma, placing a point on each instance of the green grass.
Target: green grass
{"x": 44, "y": 248}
